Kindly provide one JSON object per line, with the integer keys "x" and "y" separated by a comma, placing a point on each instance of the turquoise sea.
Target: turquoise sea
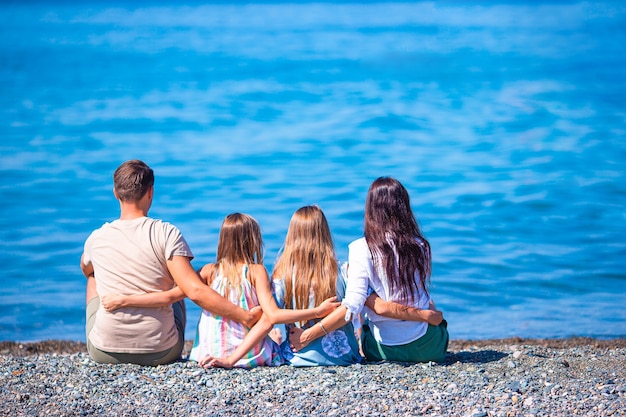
{"x": 506, "y": 120}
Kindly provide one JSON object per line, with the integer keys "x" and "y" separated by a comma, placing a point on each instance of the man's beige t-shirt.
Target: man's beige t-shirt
{"x": 129, "y": 257}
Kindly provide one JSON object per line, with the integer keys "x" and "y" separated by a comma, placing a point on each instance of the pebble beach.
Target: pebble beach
{"x": 506, "y": 377}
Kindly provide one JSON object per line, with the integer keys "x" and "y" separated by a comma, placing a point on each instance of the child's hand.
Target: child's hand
{"x": 434, "y": 317}
{"x": 328, "y": 306}
{"x": 294, "y": 338}
{"x": 254, "y": 314}
{"x": 111, "y": 302}
{"x": 212, "y": 362}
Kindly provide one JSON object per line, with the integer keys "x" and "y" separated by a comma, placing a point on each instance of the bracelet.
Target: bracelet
{"x": 323, "y": 329}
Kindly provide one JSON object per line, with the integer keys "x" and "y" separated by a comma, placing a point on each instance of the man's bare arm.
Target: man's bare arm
{"x": 87, "y": 269}
{"x": 189, "y": 282}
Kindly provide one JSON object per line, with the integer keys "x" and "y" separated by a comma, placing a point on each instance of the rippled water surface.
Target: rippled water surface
{"x": 506, "y": 122}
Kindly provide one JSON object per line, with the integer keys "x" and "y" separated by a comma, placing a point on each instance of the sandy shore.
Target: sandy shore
{"x": 506, "y": 377}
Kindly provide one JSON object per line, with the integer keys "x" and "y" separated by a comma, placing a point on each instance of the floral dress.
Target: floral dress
{"x": 338, "y": 347}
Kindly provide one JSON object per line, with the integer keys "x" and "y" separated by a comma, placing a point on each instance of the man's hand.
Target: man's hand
{"x": 254, "y": 314}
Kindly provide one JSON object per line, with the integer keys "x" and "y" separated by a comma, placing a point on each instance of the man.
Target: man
{"x": 135, "y": 255}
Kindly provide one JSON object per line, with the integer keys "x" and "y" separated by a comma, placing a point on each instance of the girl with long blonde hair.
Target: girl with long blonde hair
{"x": 305, "y": 274}
{"x": 308, "y": 257}
{"x": 234, "y": 275}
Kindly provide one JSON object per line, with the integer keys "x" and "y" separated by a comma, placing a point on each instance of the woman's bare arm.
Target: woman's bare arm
{"x": 401, "y": 312}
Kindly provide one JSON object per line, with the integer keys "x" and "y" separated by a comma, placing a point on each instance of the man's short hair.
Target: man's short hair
{"x": 132, "y": 180}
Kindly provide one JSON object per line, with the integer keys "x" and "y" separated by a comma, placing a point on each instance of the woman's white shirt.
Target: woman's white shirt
{"x": 362, "y": 276}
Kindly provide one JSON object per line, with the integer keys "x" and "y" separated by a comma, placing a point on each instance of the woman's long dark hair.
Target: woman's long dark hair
{"x": 394, "y": 238}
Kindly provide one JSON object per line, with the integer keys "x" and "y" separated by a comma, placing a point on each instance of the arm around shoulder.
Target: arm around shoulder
{"x": 191, "y": 285}
{"x": 401, "y": 312}
{"x": 300, "y": 338}
{"x": 276, "y": 315}
{"x": 113, "y": 302}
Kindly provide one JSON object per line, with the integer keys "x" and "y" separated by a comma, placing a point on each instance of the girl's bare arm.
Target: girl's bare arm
{"x": 255, "y": 336}
{"x": 272, "y": 314}
{"x": 113, "y": 302}
{"x": 277, "y": 315}
{"x": 299, "y": 338}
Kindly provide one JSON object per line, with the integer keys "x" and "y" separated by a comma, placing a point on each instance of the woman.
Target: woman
{"x": 393, "y": 259}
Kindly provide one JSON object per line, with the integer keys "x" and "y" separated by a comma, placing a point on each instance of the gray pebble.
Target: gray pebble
{"x": 481, "y": 380}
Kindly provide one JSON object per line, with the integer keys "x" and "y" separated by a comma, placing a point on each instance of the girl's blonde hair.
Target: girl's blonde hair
{"x": 240, "y": 242}
{"x": 308, "y": 256}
